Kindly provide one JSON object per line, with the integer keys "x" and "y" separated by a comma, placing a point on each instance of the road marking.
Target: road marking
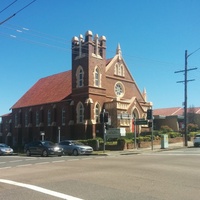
{"x": 86, "y": 158}
{"x": 5, "y": 167}
{"x": 40, "y": 189}
{"x": 23, "y": 165}
{"x": 2, "y": 162}
{"x": 42, "y": 163}
{"x": 15, "y": 161}
{"x": 58, "y": 161}
{"x": 28, "y": 159}
{"x": 169, "y": 154}
{"x": 73, "y": 159}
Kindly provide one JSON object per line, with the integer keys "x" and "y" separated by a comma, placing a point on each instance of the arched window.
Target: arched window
{"x": 116, "y": 68}
{"x": 97, "y": 77}
{"x": 49, "y": 117}
{"x": 119, "y": 69}
{"x": 97, "y": 112}
{"x": 26, "y": 119}
{"x": 37, "y": 118}
{"x": 80, "y": 113}
{"x": 63, "y": 116}
{"x": 16, "y": 120}
{"x": 79, "y": 77}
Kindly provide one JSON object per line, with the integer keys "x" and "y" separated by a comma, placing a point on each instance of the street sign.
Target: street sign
{"x": 140, "y": 122}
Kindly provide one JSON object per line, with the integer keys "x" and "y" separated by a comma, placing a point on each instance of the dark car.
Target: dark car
{"x": 72, "y": 147}
{"x": 5, "y": 149}
{"x": 43, "y": 148}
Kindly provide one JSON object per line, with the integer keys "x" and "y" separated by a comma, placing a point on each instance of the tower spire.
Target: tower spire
{"x": 118, "y": 51}
{"x": 144, "y": 94}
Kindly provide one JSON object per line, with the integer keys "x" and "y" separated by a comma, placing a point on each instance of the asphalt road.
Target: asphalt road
{"x": 162, "y": 175}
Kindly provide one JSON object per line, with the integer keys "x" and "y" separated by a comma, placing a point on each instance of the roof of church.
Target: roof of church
{"x": 175, "y": 111}
{"x": 49, "y": 89}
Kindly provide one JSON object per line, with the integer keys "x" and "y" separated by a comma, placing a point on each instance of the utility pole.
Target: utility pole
{"x": 185, "y": 94}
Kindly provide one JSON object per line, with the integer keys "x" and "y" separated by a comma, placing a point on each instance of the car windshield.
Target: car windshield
{"x": 47, "y": 143}
{"x": 197, "y": 135}
{"x": 77, "y": 143}
{"x": 3, "y": 145}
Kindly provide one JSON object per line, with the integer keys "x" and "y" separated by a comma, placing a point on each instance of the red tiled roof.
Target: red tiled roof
{"x": 108, "y": 61}
{"x": 167, "y": 111}
{"x": 6, "y": 115}
{"x": 47, "y": 90}
{"x": 175, "y": 111}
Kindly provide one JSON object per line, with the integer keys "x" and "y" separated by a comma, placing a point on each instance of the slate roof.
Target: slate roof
{"x": 49, "y": 89}
{"x": 175, "y": 111}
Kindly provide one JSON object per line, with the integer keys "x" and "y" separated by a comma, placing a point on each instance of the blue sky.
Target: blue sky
{"x": 153, "y": 35}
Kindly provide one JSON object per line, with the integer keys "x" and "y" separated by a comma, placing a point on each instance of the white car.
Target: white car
{"x": 75, "y": 148}
{"x": 196, "y": 140}
{"x": 5, "y": 149}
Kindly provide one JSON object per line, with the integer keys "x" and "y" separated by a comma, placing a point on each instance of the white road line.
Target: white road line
{"x": 168, "y": 154}
{"x": 28, "y": 159}
{"x": 23, "y": 165}
{"x": 73, "y": 159}
{"x": 15, "y": 161}
{"x": 5, "y": 168}
{"x": 2, "y": 162}
{"x": 58, "y": 161}
{"x": 86, "y": 158}
{"x": 40, "y": 189}
{"x": 42, "y": 163}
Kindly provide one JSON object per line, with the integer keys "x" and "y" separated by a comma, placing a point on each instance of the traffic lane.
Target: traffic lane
{"x": 10, "y": 192}
{"x": 18, "y": 161}
{"x": 182, "y": 151}
{"x": 123, "y": 177}
{"x": 75, "y": 186}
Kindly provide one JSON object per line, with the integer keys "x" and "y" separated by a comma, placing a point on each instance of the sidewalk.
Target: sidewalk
{"x": 155, "y": 148}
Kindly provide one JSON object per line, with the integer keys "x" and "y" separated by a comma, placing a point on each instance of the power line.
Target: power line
{"x": 17, "y": 12}
{"x": 34, "y": 42}
{"x": 8, "y": 6}
{"x": 56, "y": 38}
{"x": 35, "y": 33}
{"x": 41, "y": 35}
{"x": 49, "y": 37}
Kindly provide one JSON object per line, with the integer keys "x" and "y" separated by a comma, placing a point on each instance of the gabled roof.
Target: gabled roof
{"x": 175, "y": 111}
{"x": 6, "y": 115}
{"x": 50, "y": 89}
{"x": 167, "y": 111}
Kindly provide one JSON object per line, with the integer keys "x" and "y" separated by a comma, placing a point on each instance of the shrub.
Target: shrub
{"x": 192, "y": 127}
{"x": 174, "y": 134}
{"x": 129, "y": 135}
{"x": 166, "y": 129}
{"x": 192, "y": 134}
{"x": 121, "y": 142}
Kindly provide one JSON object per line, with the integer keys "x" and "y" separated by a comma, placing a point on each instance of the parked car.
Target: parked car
{"x": 72, "y": 147}
{"x": 196, "y": 140}
{"x": 5, "y": 149}
{"x": 43, "y": 148}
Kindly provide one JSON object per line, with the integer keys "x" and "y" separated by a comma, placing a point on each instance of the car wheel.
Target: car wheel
{"x": 195, "y": 145}
{"x": 28, "y": 153}
{"x": 45, "y": 153}
{"x": 75, "y": 152}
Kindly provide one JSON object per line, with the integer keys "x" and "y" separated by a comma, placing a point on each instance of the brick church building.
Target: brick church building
{"x": 68, "y": 104}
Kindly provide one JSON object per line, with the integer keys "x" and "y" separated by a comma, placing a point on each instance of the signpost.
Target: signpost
{"x": 140, "y": 122}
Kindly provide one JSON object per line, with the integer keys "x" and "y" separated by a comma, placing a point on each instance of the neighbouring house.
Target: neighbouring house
{"x": 67, "y": 105}
{"x": 174, "y": 117}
